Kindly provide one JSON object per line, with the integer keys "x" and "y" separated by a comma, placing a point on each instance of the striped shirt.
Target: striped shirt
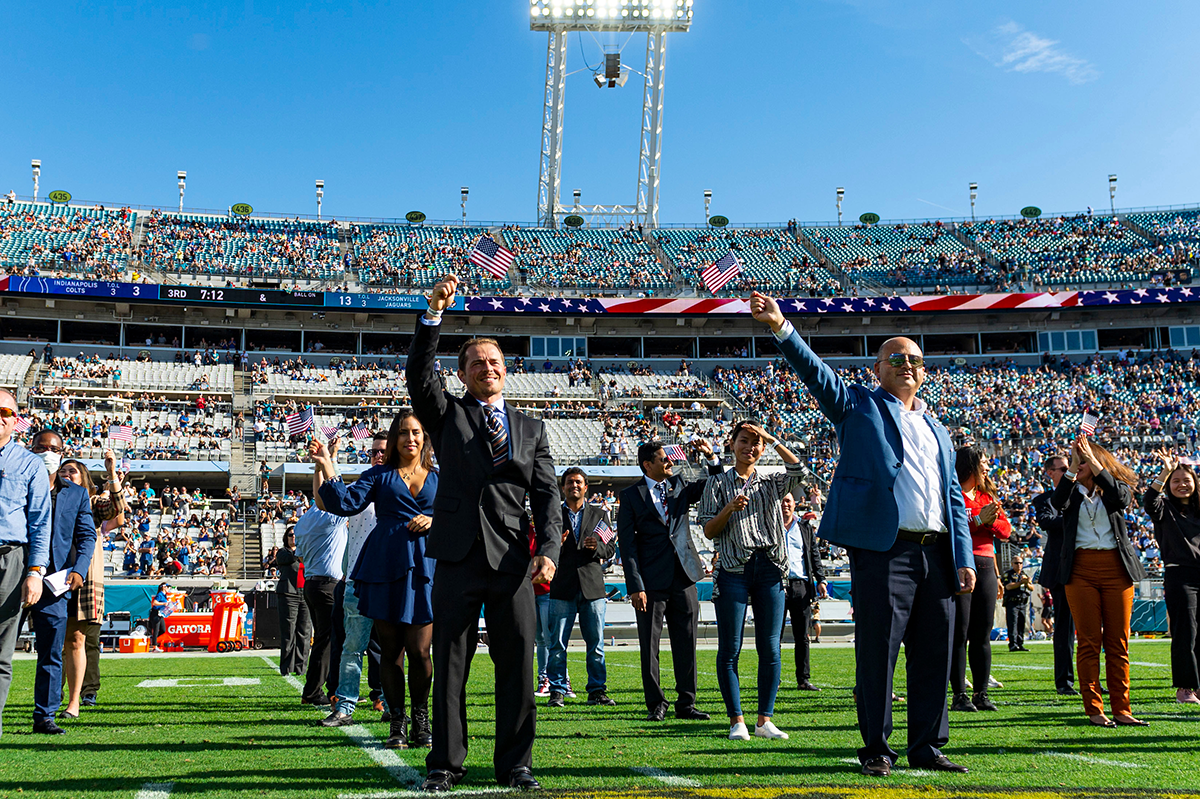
{"x": 759, "y": 526}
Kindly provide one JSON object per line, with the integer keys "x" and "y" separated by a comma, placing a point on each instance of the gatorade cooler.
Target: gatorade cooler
{"x": 128, "y": 644}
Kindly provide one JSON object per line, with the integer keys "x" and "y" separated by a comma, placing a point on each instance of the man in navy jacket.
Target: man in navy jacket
{"x": 72, "y": 542}
{"x": 896, "y": 505}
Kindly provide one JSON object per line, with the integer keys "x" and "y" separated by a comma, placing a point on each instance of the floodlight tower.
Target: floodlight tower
{"x": 974, "y": 189}
{"x": 320, "y": 196}
{"x": 1112, "y": 194}
{"x": 181, "y": 176}
{"x": 558, "y": 18}
{"x": 37, "y": 173}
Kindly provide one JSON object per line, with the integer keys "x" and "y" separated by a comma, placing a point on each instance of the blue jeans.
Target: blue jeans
{"x": 761, "y": 587}
{"x": 358, "y": 635}
{"x": 542, "y": 640}
{"x": 591, "y": 624}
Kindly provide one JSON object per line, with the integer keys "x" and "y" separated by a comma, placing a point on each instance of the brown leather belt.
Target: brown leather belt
{"x": 924, "y": 538}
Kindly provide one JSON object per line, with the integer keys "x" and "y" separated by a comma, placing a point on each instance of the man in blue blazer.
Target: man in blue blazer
{"x": 896, "y": 505}
{"x": 72, "y": 542}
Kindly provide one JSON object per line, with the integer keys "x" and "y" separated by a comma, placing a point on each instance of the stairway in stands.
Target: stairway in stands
{"x": 245, "y": 543}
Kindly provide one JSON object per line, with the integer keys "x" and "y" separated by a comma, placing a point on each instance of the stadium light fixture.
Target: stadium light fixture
{"x": 465, "y": 191}
{"x": 182, "y": 178}
{"x": 840, "y": 194}
{"x": 578, "y": 194}
{"x": 612, "y": 15}
{"x": 37, "y": 173}
{"x": 320, "y": 196}
{"x": 1112, "y": 193}
{"x": 707, "y": 203}
{"x": 974, "y": 193}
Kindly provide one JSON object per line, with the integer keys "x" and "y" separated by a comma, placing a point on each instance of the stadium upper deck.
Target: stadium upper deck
{"x": 1077, "y": 251}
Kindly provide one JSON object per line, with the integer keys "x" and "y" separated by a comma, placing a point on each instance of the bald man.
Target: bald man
{"x": 896, "y": 505}
{"x": 25, "y": 521}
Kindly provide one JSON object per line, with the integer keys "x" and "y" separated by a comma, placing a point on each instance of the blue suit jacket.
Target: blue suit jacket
{"x": 73, "y": 534}
{"x": 861, "y": 509}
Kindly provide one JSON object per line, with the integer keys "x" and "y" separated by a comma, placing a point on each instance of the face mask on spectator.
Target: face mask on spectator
{"x": 50, "y": 459}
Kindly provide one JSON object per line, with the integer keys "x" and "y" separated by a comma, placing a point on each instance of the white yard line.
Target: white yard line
{"x": 458, "y": 792}
{"x": 155, "y": 790}
{"x": 387, "y": 759}
{"x": 1098, "y": 761}
{"x": 666, "y": 778}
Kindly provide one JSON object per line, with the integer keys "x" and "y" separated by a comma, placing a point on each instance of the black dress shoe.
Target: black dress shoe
{"x": 47, "y": 727}
{"x": 877, "y": 767}
{"x": 805, "y": 685}
{"x": 556, "y": 699}
{"x": 982, "y": 702}
{"x": 1068, "y": 691}
{"x": 336, "y": 719}
{"x": 600, "y": 698}
{"x": 397, "y": 734}
{"x": 320, "y": 700}
{"x": 942, "y": 763}
{"x": 657, "y": 714}
{"x": 437, "y": 781}
{"x": 691, "y": 714}
{"x": 522, "y": 779}
{"x": 422, "y": 731}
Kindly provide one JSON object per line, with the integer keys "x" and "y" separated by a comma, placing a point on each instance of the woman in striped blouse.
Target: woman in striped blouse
{"x": 740, "y": 511}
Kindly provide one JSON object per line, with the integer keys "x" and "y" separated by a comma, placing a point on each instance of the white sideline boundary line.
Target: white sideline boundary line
{"x": 387, "y": 759}
{"x": 1097, "y": 761}
{"x": 155, "y": 790}
{"x": 665, "y": 778}
{"x": 458, "y": 792}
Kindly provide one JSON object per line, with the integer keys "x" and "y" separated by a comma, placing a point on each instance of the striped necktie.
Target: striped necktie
{"x": 497, "y": 436}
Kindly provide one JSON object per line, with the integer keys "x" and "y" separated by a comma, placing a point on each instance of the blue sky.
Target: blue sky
{"x": 771, "y": 105}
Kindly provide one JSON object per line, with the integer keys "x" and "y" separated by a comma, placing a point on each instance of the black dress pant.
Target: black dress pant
{"x": 974, "y": 614}
{"x": 91, "y": 674}
{"x": 679, "y": 607}
{"x": 295, "y": 630}
{"x": 1064, "y": 640}
{"x": 904, "y": 595}
{"x": 318, "y": 595}
{"x": 1017, "y": 616}
{"x": 797, "y": 604}
{"x": 1181, "y": 589}
{"x": 460, "y": 591}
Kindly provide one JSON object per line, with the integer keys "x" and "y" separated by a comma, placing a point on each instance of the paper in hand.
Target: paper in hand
{"x": 57, "y": 583}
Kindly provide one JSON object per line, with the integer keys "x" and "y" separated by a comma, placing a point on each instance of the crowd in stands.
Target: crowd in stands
{"x": 404, "y": 258}
{"x": 772, "y": 260}
{"x": 233, "y": 247}
{"x": 601, "y": 261}
{"x": 58, "y": 241}
{"x": 905, "y": 255}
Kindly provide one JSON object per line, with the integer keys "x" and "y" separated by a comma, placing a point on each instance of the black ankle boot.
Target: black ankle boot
{"x": 422, "y": 732}
{"x": 398, "y": 737}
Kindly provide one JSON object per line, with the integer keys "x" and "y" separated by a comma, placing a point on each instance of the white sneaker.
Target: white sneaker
{"x": 739, "y": 732}
{"x": 994, "y": 683}
{"x": 769, "y": 730}
{"x": 543, "y": 689}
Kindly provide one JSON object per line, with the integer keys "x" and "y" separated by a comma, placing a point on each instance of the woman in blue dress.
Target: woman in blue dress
{"x": 393, "y": 579}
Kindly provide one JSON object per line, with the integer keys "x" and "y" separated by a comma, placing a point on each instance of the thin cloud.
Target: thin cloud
{"x": 1014, "y": 49}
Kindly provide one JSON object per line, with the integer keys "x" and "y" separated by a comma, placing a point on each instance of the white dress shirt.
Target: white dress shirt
{"x": 1094, "y": 530}
{"x": 918, "y": 489}
{"x": 654, "y": 495}
{"x": 795, "y": 551}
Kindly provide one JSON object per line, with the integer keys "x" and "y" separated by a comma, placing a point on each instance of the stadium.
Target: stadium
{"x": 208, "y": 347}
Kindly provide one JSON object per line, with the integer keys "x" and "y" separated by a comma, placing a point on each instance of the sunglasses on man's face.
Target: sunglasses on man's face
{"x": 378, "y": 451}
{"x": 898, "y": 359}
{"x": 7, "y": 413}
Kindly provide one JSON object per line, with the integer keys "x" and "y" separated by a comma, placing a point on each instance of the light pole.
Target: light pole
{"x": 577, "y": 194}
{"x": 1112, "y": 194}
{"x": 974, "y": 193}
{"x": 840, "y": 194}
{"x": 465, "y": 192}
{"x": 182, "y": 176}
{"x": 707, "y": 202}
{"x": 320, "y": 194}
{"x": 37, "y": 173}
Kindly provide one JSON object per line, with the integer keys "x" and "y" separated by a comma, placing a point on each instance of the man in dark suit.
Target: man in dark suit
{"x": 662, "y": 568}
{"x": 578, "y": 589}
{"x": 806, "y": 583}
{"x": 72, "y": 542}
{"x": 896, "y": 505}
{"x": 295, "y": 625}
{"x": 492, "y": 458}
{"x": 1051, "y": 523}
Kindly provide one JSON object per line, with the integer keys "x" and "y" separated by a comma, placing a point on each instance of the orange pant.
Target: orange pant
{"x": 1100, "y": 594}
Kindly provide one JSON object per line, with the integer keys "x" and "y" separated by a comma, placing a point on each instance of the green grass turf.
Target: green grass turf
{"x": 258, "y": 740}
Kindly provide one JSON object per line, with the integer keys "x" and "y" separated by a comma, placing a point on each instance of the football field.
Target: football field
{"x": 229, "y": 725}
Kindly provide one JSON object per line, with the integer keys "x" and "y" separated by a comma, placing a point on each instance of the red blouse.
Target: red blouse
{"x": 982, "y": 535}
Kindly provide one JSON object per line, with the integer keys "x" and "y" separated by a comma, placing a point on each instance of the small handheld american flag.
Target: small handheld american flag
{"x": 1088, "y": 424}
{"x": 718, "y": 274}
{"x": 300, "y": 422}
{"x": 360, "y": 431}
{"x": 491, "y": 256}
{"x": 21, "y": 425}
{"x": 328, "y": 431}
{"x": 604, "y": 532}
{"x": 121, "y": 432}
{"x": 675, "y": 452}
